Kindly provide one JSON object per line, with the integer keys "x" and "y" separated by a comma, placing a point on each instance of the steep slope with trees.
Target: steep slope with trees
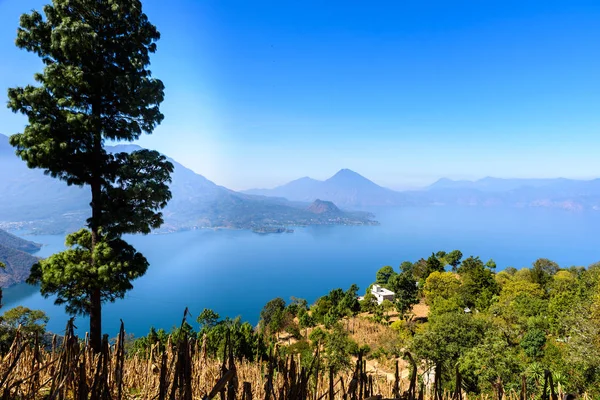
{"x": 15, "y": 254}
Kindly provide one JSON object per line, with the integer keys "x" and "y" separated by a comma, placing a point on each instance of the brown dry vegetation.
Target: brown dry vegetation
{"x": 73, "y": 371}
{"x": 183, "y": 371}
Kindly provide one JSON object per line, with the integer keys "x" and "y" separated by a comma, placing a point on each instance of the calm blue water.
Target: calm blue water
{"x": 237, "y": 272}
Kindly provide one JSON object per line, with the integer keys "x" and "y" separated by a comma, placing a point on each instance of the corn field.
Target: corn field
{"x": 71, "y": 370}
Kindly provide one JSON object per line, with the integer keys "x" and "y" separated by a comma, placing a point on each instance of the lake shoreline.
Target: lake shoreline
{"x": 235, "y": 272}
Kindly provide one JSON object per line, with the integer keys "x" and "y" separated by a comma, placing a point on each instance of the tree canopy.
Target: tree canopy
{"x": 95, "y": 86}
{"x": 384, "y": 275}
{"x": 70, "y": 276}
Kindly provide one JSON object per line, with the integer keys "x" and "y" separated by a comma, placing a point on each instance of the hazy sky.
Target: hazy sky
{"x": 404, "y": 92}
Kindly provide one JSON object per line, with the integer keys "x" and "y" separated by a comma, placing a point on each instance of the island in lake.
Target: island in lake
{"x": 271, "y": 229}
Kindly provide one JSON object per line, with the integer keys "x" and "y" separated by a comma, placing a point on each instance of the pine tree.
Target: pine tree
{"x": 95, "y": 86}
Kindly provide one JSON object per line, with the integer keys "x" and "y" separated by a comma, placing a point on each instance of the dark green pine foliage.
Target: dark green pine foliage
{"x": 116, "y": 264}
{"x": 433, "y": 265}
{"x": 406, "y": 292}
{"x": 95, "y": 86}
{"x": 384, "y": 274}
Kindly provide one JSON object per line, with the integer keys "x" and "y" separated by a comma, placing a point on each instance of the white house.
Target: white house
{"x": 382, "y": 294}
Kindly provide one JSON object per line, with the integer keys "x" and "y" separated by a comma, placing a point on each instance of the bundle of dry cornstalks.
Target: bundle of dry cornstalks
{"x": 71, "y": 370}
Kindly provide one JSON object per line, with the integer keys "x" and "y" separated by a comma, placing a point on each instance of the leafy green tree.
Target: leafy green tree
{"x": 582, "y": 350}
{"x": 296, "y": 305}
{"x": 434, "y": 265}
{"x": 406, "y": 267}
{"x": 70, "y": 277}
{"x": 405, "y": 290}
{"x": 335, "y": 305}
{"x": 349, "y": 305}
{"x": 543, "y": 270}
{"x": 523, "y": 274}
{"x": 442, "y": 292}
{"x": 453, "y": 258}
{"x": 519, "y": 301}
{"x": 320, "y": 308}
{"x": 502, "y": 278}
{"x": 337, "y": 349}
{"x": 384, "y": 275}
{"x": 317, "y": 335}
{"x": 141, "y": 346}
{"x": 305, "y": 320}
{"x": 420, "y": 270}
{"x": 563, "y": 282}
{"x": 493, "y": 360}
{"x": 533, "y": 343}
{"x": 446, "y": 338}
{"x": 479, "y": 285}
{"x": 335, "y": 296}
{"x": 208, "y": 318}
{"x": 95, "y": 86}
{"x": 589, "y": 281}
{"x": 331, "y": 318}
{"x": 272, "y": 316}
{"x": 386, "y": 306}
{"x": 180, "y": 333}
{"x": 564, "y": 292}
{"x": 246, "y": 343}
{"x": 369, "y": 303}
{"x": 32, "y": 323}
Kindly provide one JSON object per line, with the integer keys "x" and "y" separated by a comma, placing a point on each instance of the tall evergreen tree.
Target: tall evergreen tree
{"x": 95, "y": 86}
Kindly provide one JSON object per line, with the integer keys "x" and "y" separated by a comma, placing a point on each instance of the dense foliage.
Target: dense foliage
{"x": 70, "y": 276}
{"x": 32, "y": 325}
{"x": 499, "y": 326}
{"x": 494, "y": 327}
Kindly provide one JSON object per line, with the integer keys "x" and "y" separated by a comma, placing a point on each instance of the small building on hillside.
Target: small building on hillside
{"x": 382, "y": 294}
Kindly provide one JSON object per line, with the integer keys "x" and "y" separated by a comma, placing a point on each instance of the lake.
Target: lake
{"x": 237, "y": 272}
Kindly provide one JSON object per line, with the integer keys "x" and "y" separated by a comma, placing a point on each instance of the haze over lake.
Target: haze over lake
{"x": 237, "y": 272}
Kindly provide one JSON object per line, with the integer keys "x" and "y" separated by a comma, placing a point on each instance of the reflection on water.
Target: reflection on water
{"x": 237, "y": 272}
{"x": 17, "y": 294}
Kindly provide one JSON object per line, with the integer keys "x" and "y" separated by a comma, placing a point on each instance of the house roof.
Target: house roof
{"x": 381, "y": 290}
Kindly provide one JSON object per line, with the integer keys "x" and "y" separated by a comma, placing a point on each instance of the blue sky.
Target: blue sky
{"x": 404, "y": 92}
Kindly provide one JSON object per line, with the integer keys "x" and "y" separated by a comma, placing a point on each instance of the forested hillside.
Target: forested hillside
{"x": 457, "y": 320}
{"x": 14, "y": 254}
{"x": 35, "y": 202}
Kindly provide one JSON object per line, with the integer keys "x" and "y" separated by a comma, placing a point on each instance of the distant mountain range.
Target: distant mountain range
{"x": 345, "y": 188}
{"x": 568, "y": 194}
{"x": 566, "y": 186}
{"x": 15, "y": 254}
{"x": 35, "y": 202}
{"x": 29, "y": 195}
{"x": 350, "y": 189}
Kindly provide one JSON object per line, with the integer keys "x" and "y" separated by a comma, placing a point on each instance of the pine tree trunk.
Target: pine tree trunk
{"x": 96, "y": 321}
{"x": 95, "y": 295}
